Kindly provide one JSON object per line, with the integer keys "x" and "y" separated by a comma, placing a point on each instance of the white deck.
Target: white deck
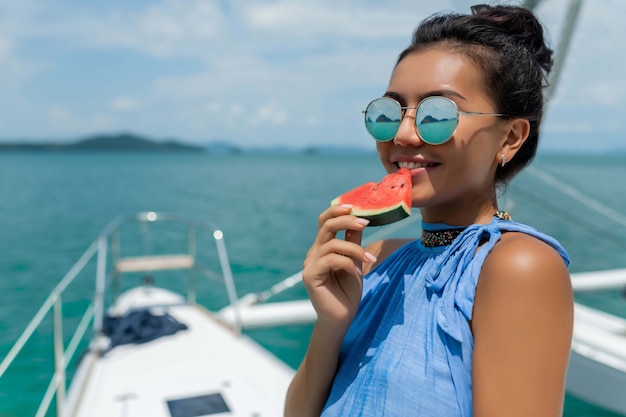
{"x": 138, "y": 380}
{"x": 154, "y": 263}
{"x": 597, "y": 367}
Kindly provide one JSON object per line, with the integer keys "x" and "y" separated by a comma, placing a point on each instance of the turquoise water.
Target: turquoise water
{"x": 435, "y": 132}
{"x": 52, "y": 206}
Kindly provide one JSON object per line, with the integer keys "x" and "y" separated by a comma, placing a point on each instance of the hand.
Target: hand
{"x": 332, "y": 268}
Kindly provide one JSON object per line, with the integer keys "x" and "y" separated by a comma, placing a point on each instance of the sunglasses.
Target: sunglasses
{"x": 436, "y": 118}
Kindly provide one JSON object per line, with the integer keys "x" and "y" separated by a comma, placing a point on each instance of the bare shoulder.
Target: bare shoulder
{"x": 522, "y": 325}
{"x": 381, "y": 249}
{"x": 526, "y": 270}
{"x": 524, "y": 293}
{"x": 519, "y": 259}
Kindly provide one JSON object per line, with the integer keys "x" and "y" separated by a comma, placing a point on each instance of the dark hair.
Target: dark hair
{"x": 507, "y": 42}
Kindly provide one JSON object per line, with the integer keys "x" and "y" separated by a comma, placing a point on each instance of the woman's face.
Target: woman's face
{"x": 457, "y": 175}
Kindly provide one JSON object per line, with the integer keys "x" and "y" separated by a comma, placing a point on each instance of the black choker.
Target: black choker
{"x": 432, "y": 239}
{"x": 435, "y": 238}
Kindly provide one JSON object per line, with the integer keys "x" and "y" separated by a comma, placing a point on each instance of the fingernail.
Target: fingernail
{"x": 370, "y": 257}
{"x": 346, "y": 206}
{"x": 363, "y": 222}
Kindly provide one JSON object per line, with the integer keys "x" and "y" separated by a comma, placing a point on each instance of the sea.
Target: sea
{"x": 54, "y": 204}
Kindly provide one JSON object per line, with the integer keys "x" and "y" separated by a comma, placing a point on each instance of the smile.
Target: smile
{"x": 414, "y": 165}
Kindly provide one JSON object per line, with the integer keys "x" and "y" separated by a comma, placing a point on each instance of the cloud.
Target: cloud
{"x": 165, "y": 28}
{"x": 5, "y": 48}
{"x": 60, "y": 118}
{"x": 169, "y": 28}
{"x": 203, "y": 69}
{"x": 123, "y": 103}
{"x": 581, "y": 126}
{"x": 270, "y": 113}
{"x": 593, "y": 59}
{"x": 305, "y": 19}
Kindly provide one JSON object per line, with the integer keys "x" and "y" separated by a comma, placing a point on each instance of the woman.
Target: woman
{"x": 475, "y": 318}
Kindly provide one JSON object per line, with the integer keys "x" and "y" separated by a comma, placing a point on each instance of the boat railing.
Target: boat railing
{"x": 62, "y": 355}
{"x": 161, "y": 262}
{"x": 94, "y": 313}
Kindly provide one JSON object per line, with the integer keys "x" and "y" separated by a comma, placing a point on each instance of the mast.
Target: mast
{"x": 564, "y": 42}
{"x": 563, "y": 47}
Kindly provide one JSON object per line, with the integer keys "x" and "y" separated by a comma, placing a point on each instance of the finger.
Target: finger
{"x": 352, "y": 250}
{"x": 337, "y": 262}
{"x": 355, "y": 236}
{"x": 333, "y": 225}
{"x": 333, "y": 211}
{"x": 325, "y": 231}
{"x": 318, "y": 273}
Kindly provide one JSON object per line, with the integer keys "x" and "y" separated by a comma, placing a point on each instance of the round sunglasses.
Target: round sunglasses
{"x": 436, "y": 118}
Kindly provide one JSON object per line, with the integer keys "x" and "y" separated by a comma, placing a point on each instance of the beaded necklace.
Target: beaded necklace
{"x": 435, "y": 238}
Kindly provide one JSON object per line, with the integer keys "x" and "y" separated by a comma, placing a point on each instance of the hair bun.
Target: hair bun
{"x": 523, "y": 28}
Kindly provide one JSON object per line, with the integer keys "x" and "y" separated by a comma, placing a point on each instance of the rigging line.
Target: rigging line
{"x": 537, "y": 172}
{"x": 568, "y": 216}
{"x": 572, "y": 16}
{"x": 586, "y": 200}
{"x": 604, "y": 22}
{"x": 563, "y": 47}
{"x": 296, "y": 278}
{"x": 392, "y": 228}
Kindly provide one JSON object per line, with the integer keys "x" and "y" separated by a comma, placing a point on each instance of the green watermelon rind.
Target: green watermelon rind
{"x": 380, "y": 217}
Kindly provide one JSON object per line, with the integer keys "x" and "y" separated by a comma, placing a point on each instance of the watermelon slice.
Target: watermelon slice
{"x": 381, "y": 203}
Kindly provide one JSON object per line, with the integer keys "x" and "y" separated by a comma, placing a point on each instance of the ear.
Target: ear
{"x": 516, "y": 134}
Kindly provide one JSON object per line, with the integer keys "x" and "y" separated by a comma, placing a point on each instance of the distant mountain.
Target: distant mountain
{"x": 221, "y": 147}
{"x": 338, "y": 150}
{"x": 119, "y": 142}
{"x": 132, "y": 142}
{"x": 129, "y": 142}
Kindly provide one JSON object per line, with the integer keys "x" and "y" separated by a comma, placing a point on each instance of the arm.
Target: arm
{"x": 522, "y": 324}
{"x": 333, "y": 280}
{"x": 310, "y": 387}
{"x": 317, "y": 370}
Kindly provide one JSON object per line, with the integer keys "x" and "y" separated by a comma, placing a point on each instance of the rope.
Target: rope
{"x": 539, "y": 173}
{"x": 584, "y": 199}
{"x": 568, "y": 216}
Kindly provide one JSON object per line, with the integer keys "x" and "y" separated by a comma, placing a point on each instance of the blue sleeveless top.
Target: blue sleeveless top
{"x": 409, "y": 348}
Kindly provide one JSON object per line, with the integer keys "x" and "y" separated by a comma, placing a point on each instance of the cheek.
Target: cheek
{"x": 472, "y": 164}
{"x": 480, "y": 174}
{"x": 475, "y": 148}
{"x": 384, "y": 150}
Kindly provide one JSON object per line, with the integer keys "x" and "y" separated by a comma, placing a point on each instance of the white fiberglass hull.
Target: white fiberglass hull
{"x": 597, "y": 367}
{"x": 207, "y": 362}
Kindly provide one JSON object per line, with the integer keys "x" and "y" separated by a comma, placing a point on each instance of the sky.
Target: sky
{"x": 260, "y": 73}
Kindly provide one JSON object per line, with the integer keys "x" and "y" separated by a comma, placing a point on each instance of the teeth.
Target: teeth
{"x": 413, "y": 165}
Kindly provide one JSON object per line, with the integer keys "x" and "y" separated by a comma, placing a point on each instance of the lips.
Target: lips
{"x": 414, "y": 165}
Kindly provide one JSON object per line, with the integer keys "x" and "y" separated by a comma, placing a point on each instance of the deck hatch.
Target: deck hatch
{"x": 203, "y": 405}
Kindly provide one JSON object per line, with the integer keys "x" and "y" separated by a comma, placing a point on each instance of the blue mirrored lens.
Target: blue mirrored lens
{"x": 436, "y": 119}
{"x": 382, "y": 118}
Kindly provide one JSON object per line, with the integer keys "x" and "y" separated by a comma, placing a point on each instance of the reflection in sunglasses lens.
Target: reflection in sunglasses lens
{"x": 435, "y": 119}
{"x": 382, "y": 119}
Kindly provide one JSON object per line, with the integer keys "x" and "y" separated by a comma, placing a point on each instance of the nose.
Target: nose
{"x": 407, "y": 132}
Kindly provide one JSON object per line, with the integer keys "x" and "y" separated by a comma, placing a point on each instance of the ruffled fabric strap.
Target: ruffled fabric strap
{"x": 457, "y": 271}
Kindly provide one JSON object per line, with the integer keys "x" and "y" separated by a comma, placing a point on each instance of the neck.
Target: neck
{"x": 437, "y": 235}
{"x": 475, "y": 205}
{"x": 460, "y": 216}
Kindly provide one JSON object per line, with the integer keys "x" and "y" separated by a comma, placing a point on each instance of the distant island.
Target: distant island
{"x": 130, "y": 142}
{"x": 119, "y": 142}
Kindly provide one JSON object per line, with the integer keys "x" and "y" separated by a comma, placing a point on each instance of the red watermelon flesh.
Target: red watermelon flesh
{"x": 381, "y": 203}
